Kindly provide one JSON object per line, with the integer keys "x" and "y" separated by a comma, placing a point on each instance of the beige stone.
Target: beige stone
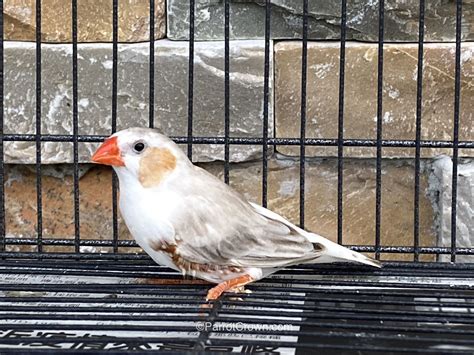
{"x": 283, "y": 198}
{"x": 94, "y": 20}
{"x": 360, "y": 105}
{"x": 58, "y": 205}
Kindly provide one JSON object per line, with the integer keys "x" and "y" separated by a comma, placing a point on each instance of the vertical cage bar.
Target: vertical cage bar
{"x": 2, "y": 165}
{"x": 340, "y": 132}
{"x": 114, "y": 119}
{"x": 151, "y": 85}
{"x": 39, "y": 197}
{"x": 266, "y": 100}
{"x": 419, "y": 100}
{"x": 457, "y": 102}
{"x": 226, "y": 88}
{"x": 378, "y": 188}
{"x": 191, "y": 79}
{"x": 75, "y": 128}
{"x": 304, "y": 64}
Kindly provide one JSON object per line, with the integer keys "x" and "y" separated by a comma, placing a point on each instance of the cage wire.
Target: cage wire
{"x": 108, "y": 302}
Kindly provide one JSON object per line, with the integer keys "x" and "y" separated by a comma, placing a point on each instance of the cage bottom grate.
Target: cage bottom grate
{"x": 95, "y": 306}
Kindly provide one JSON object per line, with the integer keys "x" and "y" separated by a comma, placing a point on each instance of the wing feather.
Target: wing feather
{"x": 216, "y": 225}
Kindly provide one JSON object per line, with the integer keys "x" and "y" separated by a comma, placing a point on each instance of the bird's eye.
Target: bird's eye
{"x": 138, "y": 147}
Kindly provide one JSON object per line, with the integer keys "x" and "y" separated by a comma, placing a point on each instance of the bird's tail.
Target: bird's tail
{"x": 336, "y": 252}
{"x": 324, "y": 249}
{"x": 360, "y": 258}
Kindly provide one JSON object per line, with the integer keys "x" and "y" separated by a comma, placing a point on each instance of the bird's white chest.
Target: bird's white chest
{"x": 146, "y": 214}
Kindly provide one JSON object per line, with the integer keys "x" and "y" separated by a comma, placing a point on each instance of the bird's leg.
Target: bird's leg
{"x": 229, "y": 285}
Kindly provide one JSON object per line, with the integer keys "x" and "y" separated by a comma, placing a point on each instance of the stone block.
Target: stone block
{"x": 58, "y": 205}
{"x": 441, "y": 184}
{"x": 283, "y": 198}
{"x": 94, "y": 20}
{"x": 171, "y": 95}
{"x": 247, "y": 19}
{"x": 360, "y": 103}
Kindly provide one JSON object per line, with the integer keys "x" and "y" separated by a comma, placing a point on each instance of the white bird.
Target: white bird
{"x": 189, "y": 220}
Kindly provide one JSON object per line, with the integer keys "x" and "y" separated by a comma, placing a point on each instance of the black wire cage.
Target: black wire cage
{"x": 122, "y": 301}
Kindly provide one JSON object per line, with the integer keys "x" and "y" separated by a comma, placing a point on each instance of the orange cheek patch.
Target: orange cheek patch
{"x": 155, "y": 164}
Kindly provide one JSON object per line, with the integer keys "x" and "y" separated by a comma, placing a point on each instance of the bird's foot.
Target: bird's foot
{"x": 233, "y": 285}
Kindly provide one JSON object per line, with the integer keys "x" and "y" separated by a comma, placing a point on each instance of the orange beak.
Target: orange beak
{"x": 108, "y": 153}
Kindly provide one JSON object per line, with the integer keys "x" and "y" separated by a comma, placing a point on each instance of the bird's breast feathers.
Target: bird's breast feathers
{"x": 146, "y": 212}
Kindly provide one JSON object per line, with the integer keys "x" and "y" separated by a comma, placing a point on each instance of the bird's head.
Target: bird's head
{"x": 143, "y": 153}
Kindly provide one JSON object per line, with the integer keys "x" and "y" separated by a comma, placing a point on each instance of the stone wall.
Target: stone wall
{"x": 246, "y": 113}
